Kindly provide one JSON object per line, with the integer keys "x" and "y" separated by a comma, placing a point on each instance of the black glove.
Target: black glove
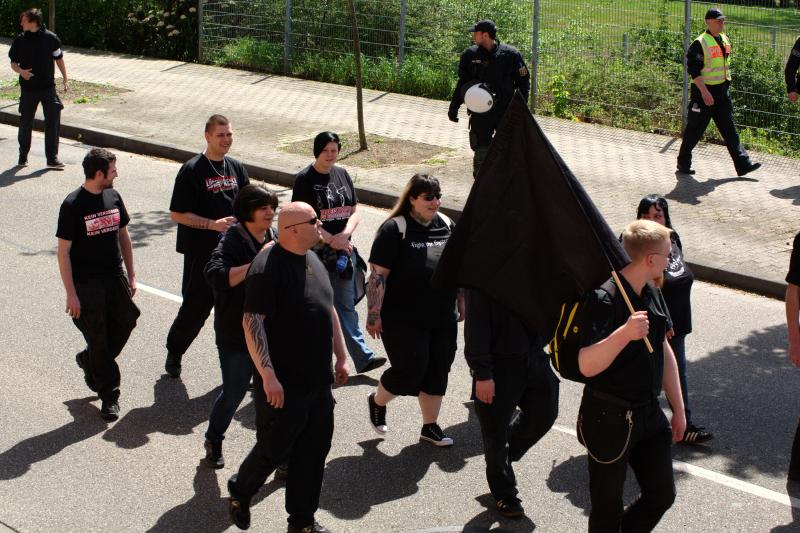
{"x": 452, "y": 114}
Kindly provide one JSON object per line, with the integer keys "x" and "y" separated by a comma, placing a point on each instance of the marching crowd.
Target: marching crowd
{"x": 284, "y": 282}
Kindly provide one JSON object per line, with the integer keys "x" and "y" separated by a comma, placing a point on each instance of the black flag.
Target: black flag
{"x": 529, "y": 235}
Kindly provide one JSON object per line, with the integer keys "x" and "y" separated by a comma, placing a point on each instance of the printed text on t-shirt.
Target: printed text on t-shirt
{"x": 221, "y": 183}
{"x": 102, "y": 222}
{"x": 428, "y": 244}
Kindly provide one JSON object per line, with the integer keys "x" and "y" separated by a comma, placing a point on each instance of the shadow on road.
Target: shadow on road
{"x": 11, "y": 176}
{"x": 18, "y": 459}
{"x": 689, "y": 191}
{"x": 741, "y": 392}
{"x": 391, "y": 478}
{"x": 172, "y": 413}
{"x": 207, "y": 510}
{"x": 148, "y": 226}
{"x": 789, "y": 193}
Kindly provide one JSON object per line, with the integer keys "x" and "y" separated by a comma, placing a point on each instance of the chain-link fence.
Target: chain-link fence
{"x": 615, "y": 62}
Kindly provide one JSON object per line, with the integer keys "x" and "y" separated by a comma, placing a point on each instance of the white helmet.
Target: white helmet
{"x": 478, "y": 98}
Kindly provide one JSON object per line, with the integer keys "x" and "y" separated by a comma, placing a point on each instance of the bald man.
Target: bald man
{"x": 290, "y": 327}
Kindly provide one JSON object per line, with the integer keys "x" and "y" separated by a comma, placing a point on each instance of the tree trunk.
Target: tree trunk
{"x": 362, "y": 135}
{"x": 52, "y": 15}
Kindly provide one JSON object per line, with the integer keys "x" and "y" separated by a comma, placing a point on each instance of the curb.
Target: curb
{"x": 368, "y": 195}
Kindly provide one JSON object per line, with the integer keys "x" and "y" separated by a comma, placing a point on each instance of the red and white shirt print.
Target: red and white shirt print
{"x": 221, "y": 183}
{"x": 102, "y": 222}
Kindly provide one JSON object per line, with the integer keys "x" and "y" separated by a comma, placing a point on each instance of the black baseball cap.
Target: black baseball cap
{"x": 715, "y": 14}
{"x": 485, "y": 25}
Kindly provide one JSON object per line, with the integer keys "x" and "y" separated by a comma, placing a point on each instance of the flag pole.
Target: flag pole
{"x": 630, "y": 306}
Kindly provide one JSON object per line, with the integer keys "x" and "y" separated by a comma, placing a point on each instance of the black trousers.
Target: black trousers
{"x": 794, "y": 464}
{"x": 722, "y": 114}
{"x": 527, "y": 383}
{"x": 51, "y": 106}
{"x": 481, "y": 131}
{"x": 299, "y": 434}
{"x": 108, "y": 315}
{"x": 603, "y": 429}
{"x": 198, "y": 300}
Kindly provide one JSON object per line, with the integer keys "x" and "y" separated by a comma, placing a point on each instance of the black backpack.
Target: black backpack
{"x": 566, "y": 341}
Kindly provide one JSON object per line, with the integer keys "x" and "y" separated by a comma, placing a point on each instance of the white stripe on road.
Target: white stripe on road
{"x": 720, "y": 479}
{"x": 680, "y": 466}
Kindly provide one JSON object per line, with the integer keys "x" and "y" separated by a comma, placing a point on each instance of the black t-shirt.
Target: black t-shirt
{"x": 635, "y": 375}
{"x": 678, "y": 279}
{"x": 793, "y": 276}
{"x": 36, "y": 50}
{"x": 294, "y": 293}
{"x": 207, "y": 189}
{"x": 792, "y": 66}
{"x": 332, "y": 196}
{"x": 91, "y": 222}
{"x": 409, "y": 296}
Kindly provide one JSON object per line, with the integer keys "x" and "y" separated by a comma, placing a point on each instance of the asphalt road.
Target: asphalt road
{"x": 63, "y": 469}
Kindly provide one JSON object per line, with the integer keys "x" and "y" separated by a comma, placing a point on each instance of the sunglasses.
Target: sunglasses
{"x": 310, "y": 222}
{"x": 430, "y": 197}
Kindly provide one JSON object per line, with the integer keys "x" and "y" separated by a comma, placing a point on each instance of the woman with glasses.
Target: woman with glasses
{"x": 329, "y": 190}
{"x": 677, "y": 290}
{"x": 416, "y": 322}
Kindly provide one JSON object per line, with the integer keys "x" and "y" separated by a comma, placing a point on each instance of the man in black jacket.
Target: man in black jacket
{"x": 509, "y": 370}
{"x": 790, "y": 73}
{"x": 32, "y": 54}
{"x": 254, "y": 208}
{"x": 501, "y": 68}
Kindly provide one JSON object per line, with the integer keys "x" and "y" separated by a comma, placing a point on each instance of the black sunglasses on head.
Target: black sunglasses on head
{"x": 310, "y": 222}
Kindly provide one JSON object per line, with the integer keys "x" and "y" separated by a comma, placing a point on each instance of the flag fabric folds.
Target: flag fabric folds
{"x": 529, "y": 235}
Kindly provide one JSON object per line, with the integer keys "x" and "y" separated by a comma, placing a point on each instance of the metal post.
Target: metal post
{"x": 535, "y": 56}
{"x": 774, "y": 39}
{"x": 287, "y": 37}
{"x": 624, "y": 46}
{"x": 401, "y": 39}
{"x": 200, "y": 32}
{"x": 687, "y": 27}
{"x": 52, "y": 15}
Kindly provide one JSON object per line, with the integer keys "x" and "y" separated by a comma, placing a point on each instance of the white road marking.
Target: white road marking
{"x": 680, "y": 466}
{"x": 720, "y": 479}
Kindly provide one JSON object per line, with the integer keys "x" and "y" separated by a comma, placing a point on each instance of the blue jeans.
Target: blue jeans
{"x": 237, "y": 369}
{"x": 678, "y": 344}
{"x": 344, "y": 302}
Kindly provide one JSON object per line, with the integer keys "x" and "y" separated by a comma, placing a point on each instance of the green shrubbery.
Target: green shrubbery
{"x": 157, "y": 28}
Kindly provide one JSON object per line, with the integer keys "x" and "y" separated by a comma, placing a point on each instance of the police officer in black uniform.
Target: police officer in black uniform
{"x": 711, "y": 99}
{"x": 790, "y": 73}
{"x": 501, "y": 68}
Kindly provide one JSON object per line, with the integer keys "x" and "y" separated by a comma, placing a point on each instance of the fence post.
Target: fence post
{"x": 200, "y": 32}
{"x": 287, "y": 37}
{"x": 401, "y": 39}
{"x": 687, "y": 27}
{"x": 535, "y": 56}
{"x": 52, "y": 15}
{"x": 774, "y": 39}
{"x": 624, "y": 46}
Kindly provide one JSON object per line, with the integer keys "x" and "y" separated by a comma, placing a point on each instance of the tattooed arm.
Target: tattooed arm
{"x": 256, "y": 338}
{"x": 197, "y": 222}
{"x": 376, "y": 288}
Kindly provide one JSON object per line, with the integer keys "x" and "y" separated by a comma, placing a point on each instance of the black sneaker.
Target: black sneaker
{"x": 22, "y": 161}
{"x": 55, "y": 163}
{"x": 173, "y": 365}
{"x": 281, "y": 473}
{"x": 689, "y": 171}
{"x": 510, "y": 507}
{"x": 372, "y": 364}
{"x": 696, "y": 435}
{"x": 434, "y": 434}
{"x": 377, "y": 415}
{"x": 80, "y": 358}
{"x": 214, "y": 457}
{"x": 109, "y": 410}
{"x": 316, "y": 527}
{"x": 748, "y": 169}
{"x": 238, "y": 508}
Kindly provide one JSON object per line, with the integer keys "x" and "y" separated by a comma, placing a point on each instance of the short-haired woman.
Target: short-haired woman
{"x": 254, "y": 208}
{"x": 416, "y": 322}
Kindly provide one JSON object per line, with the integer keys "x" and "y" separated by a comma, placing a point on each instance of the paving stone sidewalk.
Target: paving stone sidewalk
{"x": 743, "y": 226}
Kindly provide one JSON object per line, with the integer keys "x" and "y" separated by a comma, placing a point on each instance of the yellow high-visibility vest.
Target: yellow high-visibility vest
{"x": 716, "y": 69}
